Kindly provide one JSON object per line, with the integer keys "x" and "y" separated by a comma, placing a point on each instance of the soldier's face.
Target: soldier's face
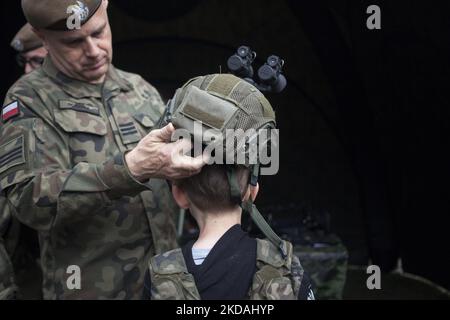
{"x": 83, "y": 54}
{"x": 33, "y": 59}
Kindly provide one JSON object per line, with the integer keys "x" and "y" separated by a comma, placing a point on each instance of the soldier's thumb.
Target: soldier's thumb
{"x": 165, "y": 134}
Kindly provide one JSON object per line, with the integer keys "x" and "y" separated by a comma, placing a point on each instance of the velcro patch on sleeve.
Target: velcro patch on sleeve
{"x": 12, "y": 153}
{"x": 11, "y": 110}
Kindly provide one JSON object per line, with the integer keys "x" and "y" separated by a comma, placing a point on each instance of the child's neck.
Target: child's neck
{"x": 213, "y": 227}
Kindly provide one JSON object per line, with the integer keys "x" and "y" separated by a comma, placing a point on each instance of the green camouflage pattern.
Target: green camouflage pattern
{"x": 221, "y": 102}
{"x": 8, "y": 287}
{"x": 68, "y": 180}
{"x": 327, "y": 267}
{"x": 22, "y": 245}
{"x": 170, "y": 278}
{"x": 276, "y": 278}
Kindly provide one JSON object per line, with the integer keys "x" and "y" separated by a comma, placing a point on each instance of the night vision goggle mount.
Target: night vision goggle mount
{"x": 270, "y": 74}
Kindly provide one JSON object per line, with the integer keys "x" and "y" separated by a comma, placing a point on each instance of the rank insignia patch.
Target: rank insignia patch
{"x": 12, "y": 153}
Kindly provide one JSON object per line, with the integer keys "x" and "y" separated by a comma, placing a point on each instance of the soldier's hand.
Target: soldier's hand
{"x": 156, "y": 156}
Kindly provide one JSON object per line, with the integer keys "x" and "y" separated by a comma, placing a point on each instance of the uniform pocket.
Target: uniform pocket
{"x": 86, "y": 134}
{"x": 145, "y": 122}
{"x": 77, "y": 121}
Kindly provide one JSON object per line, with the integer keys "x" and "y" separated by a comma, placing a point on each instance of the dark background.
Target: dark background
{"x": 364, "y": 122}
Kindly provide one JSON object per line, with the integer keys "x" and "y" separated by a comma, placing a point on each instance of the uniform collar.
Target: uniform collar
{"x": 80, "y": 89}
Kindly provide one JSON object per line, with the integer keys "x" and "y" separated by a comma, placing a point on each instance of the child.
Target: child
{"x": 224, "y": 262}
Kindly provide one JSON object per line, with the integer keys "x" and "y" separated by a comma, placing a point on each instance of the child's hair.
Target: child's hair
{"x": 210, "y": 190}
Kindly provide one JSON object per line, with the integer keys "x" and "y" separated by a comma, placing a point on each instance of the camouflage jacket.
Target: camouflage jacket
{"x": 276, "y": 278}
{"x": 62, "y": 146}
{"x": 8, "y": 288}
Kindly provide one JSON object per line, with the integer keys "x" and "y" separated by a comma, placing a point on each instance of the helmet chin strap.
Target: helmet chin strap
{"x": 249, "y": 207}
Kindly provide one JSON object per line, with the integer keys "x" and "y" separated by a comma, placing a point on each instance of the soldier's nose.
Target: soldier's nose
{"x": 92, "y": 50}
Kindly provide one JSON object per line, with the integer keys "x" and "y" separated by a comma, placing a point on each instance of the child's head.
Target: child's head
{"x": 209, "y": 191}
{"x": 226, "y": 109}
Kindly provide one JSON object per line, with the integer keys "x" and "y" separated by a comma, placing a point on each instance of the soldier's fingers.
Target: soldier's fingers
{"x": 192, "y": 165}
{"x": 206, "y": 158}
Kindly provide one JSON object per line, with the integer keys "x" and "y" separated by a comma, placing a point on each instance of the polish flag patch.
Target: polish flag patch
{"x": 10, "y": 111}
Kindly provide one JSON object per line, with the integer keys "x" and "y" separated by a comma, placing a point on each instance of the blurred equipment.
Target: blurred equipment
{"x": 325, "y": 262}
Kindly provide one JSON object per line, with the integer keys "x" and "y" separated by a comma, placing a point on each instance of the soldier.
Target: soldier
{"x": 77, "y": 161}
{"x": 225, "y": 262}
{"x": 30, "y": 50}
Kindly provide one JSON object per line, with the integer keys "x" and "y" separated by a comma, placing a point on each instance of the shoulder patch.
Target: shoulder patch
{"x": 11, "y": 110}
{"x": 12, "y": 153}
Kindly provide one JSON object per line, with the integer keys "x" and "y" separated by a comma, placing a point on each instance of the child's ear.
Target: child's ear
{"x": 180, "y": 197}
{"x": 252, "y": 192}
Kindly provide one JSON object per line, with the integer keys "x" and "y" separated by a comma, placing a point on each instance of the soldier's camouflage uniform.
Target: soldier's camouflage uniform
{"x": 62, "y": 168}
{"x": 8, "y": 288}
{"x": 7, "y": 285}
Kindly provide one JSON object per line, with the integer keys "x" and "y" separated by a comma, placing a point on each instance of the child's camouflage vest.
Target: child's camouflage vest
{"x": 276, "y": 278}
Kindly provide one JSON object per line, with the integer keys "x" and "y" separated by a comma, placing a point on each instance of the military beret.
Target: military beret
{"x": 26, "y": 40}
{"x": 53, "y": 14}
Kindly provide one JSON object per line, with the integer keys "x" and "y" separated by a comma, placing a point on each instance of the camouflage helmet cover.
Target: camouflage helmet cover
{"x": 221, "y": 102}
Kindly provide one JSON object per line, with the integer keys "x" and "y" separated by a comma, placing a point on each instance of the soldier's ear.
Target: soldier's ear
{"x": 41, "y": 36}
